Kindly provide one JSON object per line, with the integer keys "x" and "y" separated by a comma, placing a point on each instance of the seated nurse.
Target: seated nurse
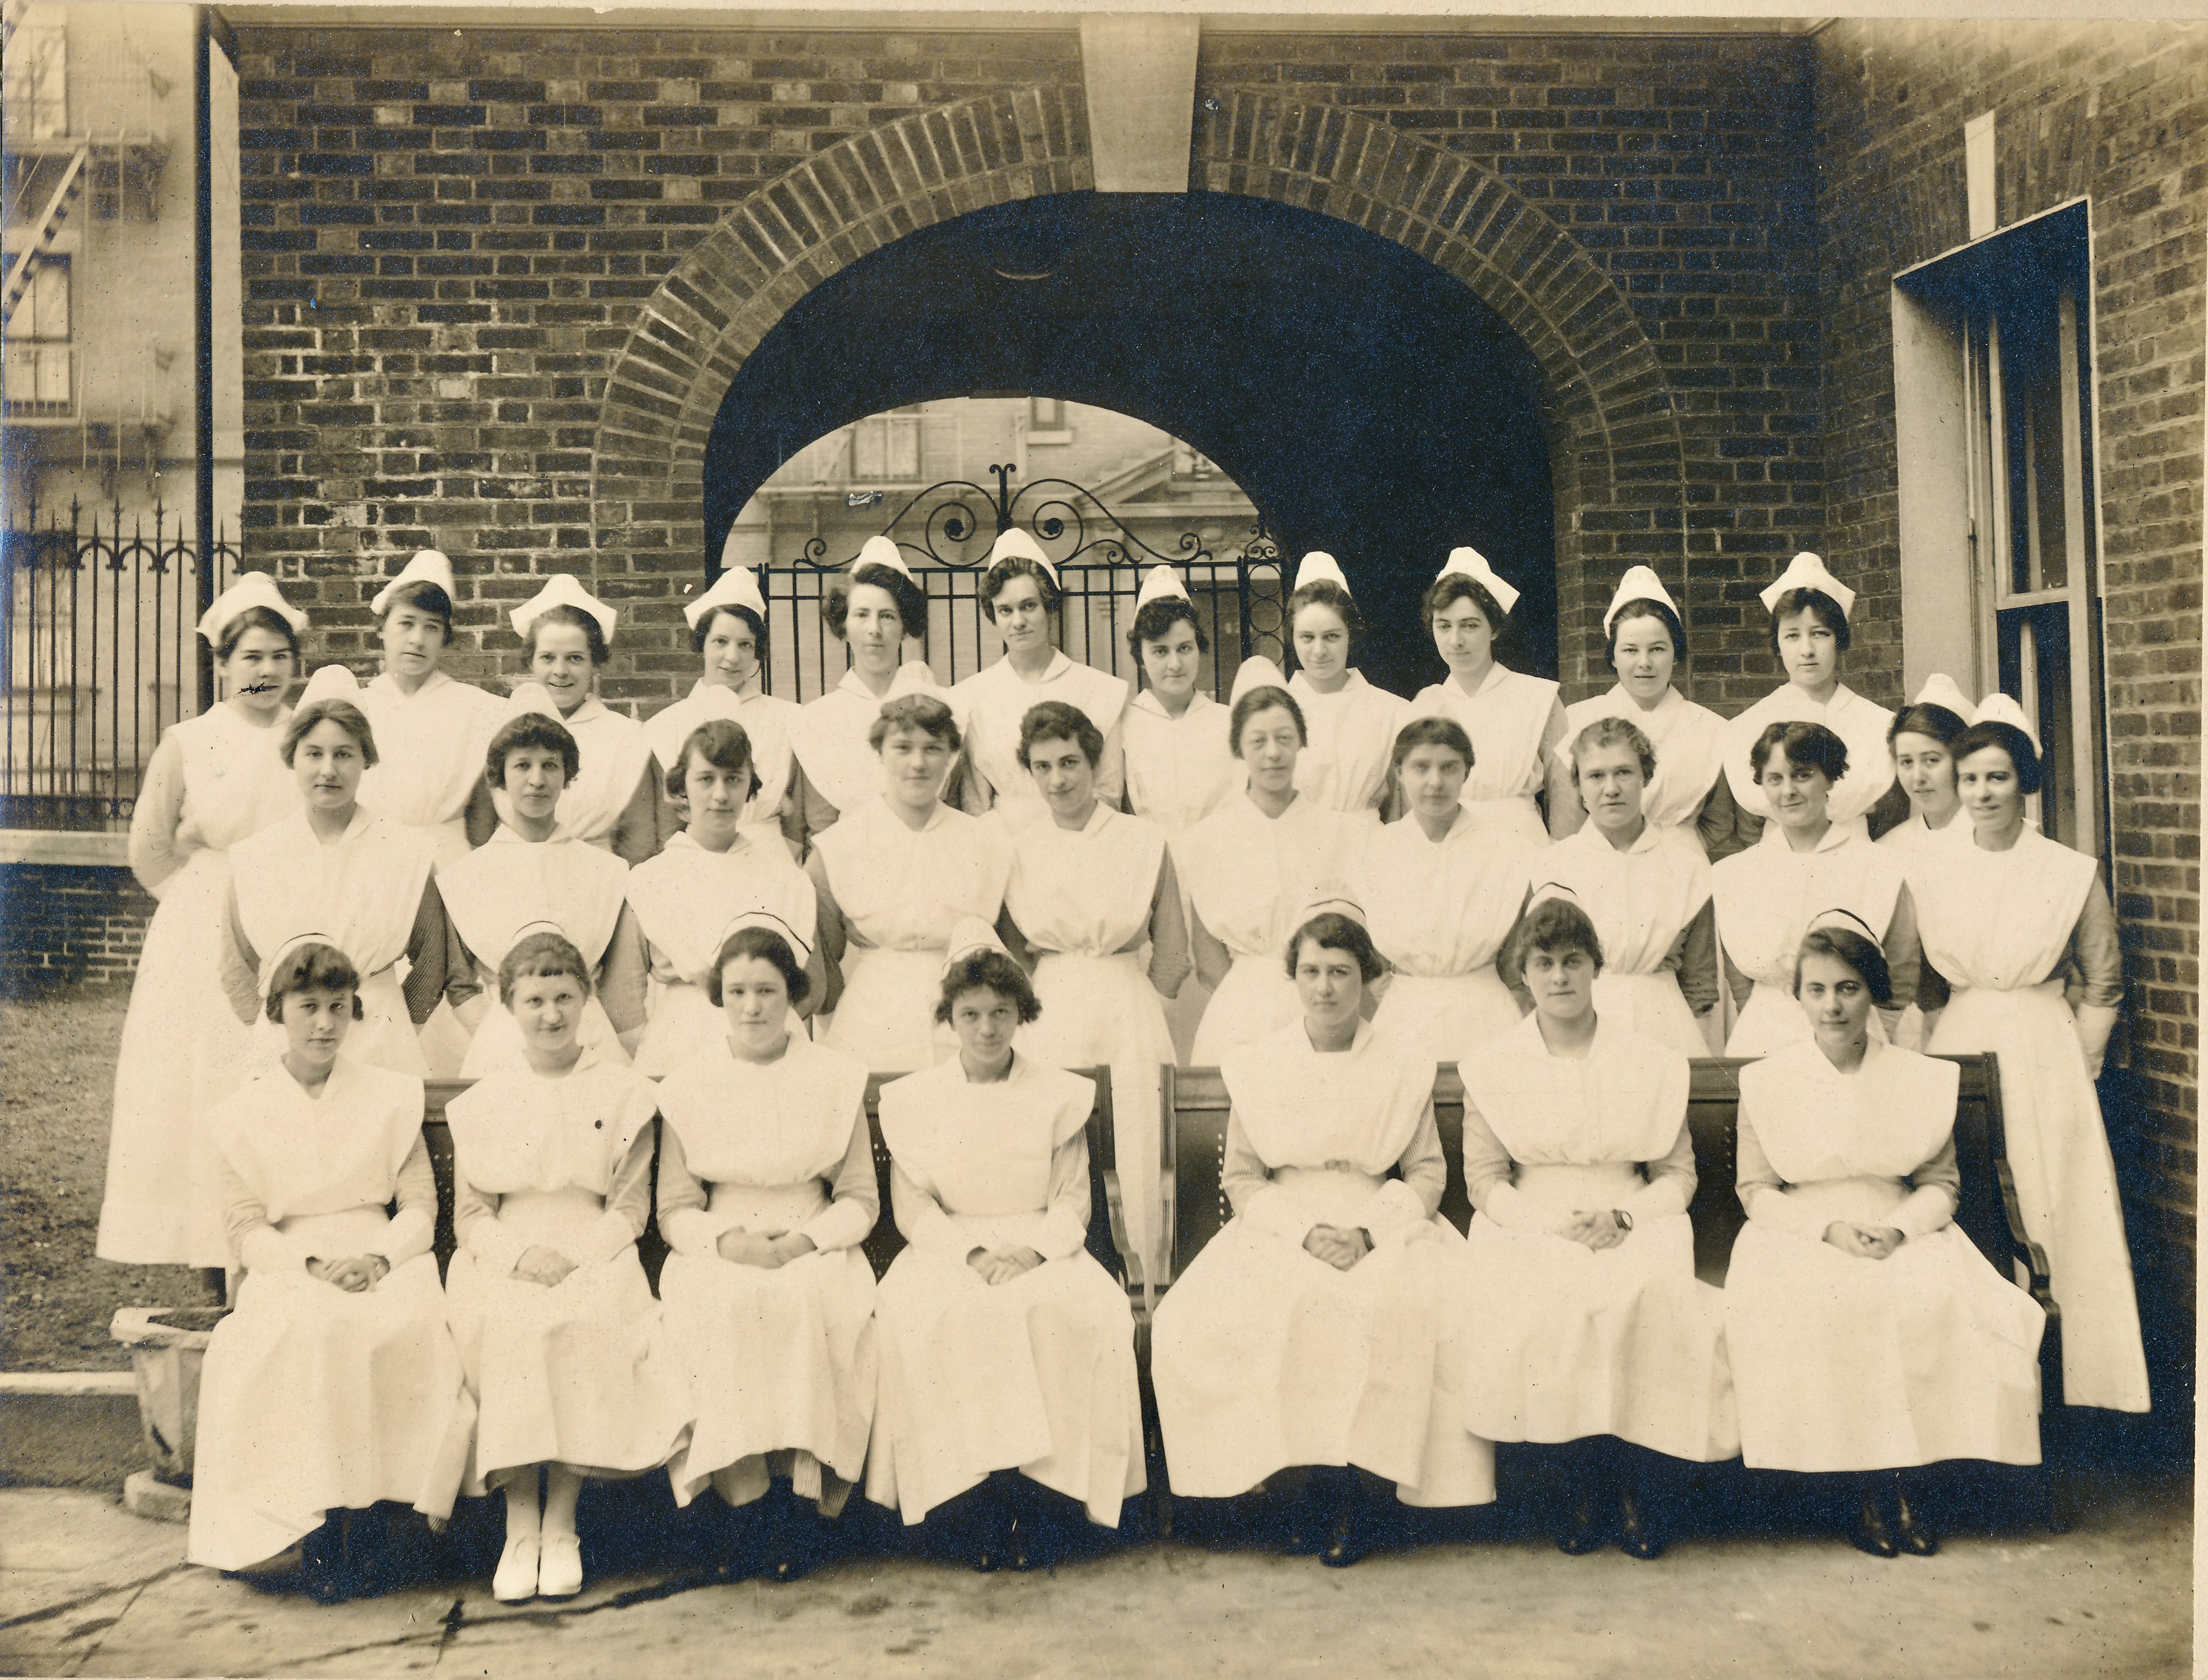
{"x": 1313, "y": 1333}
{"x": 1868, "y": 1336}
{"x": 1007, "y": 1354}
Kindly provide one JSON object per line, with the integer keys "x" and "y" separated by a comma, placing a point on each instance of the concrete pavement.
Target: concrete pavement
{"x": 87, "y": 1589}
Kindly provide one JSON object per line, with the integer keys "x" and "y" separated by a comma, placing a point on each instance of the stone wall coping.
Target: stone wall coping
{"x": 42, "y": 845}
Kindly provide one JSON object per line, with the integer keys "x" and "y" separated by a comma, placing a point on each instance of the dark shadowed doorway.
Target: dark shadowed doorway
{"x": 1368, "y": 403}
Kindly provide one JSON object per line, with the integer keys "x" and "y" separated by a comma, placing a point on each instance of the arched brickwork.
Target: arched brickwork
{"x": 1614, "y": 435}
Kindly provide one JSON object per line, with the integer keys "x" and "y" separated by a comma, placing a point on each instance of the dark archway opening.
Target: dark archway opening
{"x": 1367, "y": 402}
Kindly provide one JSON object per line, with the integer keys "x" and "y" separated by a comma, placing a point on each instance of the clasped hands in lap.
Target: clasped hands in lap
{"x": 767, "y": 1249}
{"x": 356, "y": 1274}
{"x": 1002, "y": 1265}
{"x": 1864, "y": 1242}
{"x": 1339, "y": 1246}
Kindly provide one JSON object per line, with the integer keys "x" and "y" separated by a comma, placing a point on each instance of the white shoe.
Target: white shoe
{"x": 560, "y": 1575}
{"x": 516, "y": 1579}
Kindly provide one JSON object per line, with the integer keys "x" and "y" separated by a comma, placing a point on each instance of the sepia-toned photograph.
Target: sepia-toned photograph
{"x": 986, "y": 843}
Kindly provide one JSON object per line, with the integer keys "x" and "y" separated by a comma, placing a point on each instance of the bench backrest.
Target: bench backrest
{"x": 1197, "y": 1106}
{"x": 881, "y": 1247}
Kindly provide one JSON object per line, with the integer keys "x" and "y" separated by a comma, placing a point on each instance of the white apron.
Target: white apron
{"x": 1690, "y": 747}
{"x": 1912, "y": 843}
{"x": 1347, "y": 762}
{"x": 1640, "y": 900}
{"x": 1994, "y": 926}
{"x": 497, "y": 890}
{"x": 684, "y": 900}
{"x": 1249, "y": 876}
{"x": 580, "y": 1373}
{"x": 182, "y": 1048}
{"x": 1767, "y": 897}
{"x": 1036, "y": 1375}
{"x": 829, "y": 736}
{"x": 429, "y": 748}
{"x": 1506, "y": 720}
{"x": 1565, "y": 1343}
{"x": 1860, "y": 723}
{"x": 1266, "y": 1357}
{"x": 1082, "y": 902}
{"x": 614, "y": 757}
{"x": 364, "y": 891}
{"x": 314, "y": 1398}
{"x": 990, "y": 704}
{"x": 1180, "y": 769}
{"x": 901, "y": 893}
{"x": 1842, "y": 1363}
{"x": 771, "y": 724}
{"x": 780, "y": 1359}
{"x": 1439, "y": 912}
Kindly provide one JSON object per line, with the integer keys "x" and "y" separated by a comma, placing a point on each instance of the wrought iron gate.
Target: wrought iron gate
{"x": 946, "y": 532}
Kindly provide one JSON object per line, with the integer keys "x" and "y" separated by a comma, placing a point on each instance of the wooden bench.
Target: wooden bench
{"x": 1196, "y": 1114}
{"x": 882, "y": 1245}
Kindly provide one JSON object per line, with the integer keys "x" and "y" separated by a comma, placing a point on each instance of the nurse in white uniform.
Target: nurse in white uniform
{"x": 710, "y": 869}
{"x": 214, "y": 780}
{"x": 1090, "y": 889}
{"x": 1319, "y": 1328}
{"x": 1007, "y": 1354}
{"x": 766, "y": 1190}
{"x": 430, "y": 730}
{"x": 1921, "y": 744}
{"x": 2008, "y": 914}
{"x": 1181, "y": 767}
{"x": 1809, "y": 636}
{"x": 363, "y": 881}
{"x": 727, "y": 627}
{"x": 1868, "y": 1336}
{"x": 335, "y": 1384}
{"x": 1515, "y": 720}
{"x": 613, "y": 802}
{"x": 1805, "y": 863}
{"x": 1688, "y": 791}
{"x": 1251, "y": 864}
{"x": 892, "y": 878}
{"x": 879, "y": 607}
{"x": 557, "y": 1329}
{"x": 1351, "y": 723}
{"x": 1587, "y": 1324}
{"x": 1441, "y": 896}
{"x": 528, "y": 876}
{"x": 1645, "y": 888}
{"x": 1019, "y": 595}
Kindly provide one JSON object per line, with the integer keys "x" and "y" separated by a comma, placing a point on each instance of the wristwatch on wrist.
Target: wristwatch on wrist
{"x": 1624, "y": 1219}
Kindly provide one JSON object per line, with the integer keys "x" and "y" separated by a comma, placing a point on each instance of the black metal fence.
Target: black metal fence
{"x": 946, "y": 532}
{"x": 100, "y": 657}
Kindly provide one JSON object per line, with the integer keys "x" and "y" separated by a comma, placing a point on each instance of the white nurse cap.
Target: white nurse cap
{"x": 1256, "y": 672}
{"x": 735, "y": 587}
{"x": 252, "y": 589}
{"x": 1469, "y": 562}
{"x": 1999, "y": 708}
{"x": 768, "y": 923}
{"x": 291, "y": 948}
{"x": 971, "y": 936}
{"x": 1640, "y": 583}
{"x": 1848, "y": 922}
{"x": 561, "y": 589}
{"x": 1941, "y": 690}
{"x": 1159, "y": 583}
{"x": 532, "y": 697}
{"x": 1331, "y": 898}
{"x": 884, "y": 551}
{"x": 1807, "y": 571}
{"x": 329, "y": 683}
{"x": 1014, "y": 542}
{"x": 427, "y": 566}
{"x": 1319, "y": 566}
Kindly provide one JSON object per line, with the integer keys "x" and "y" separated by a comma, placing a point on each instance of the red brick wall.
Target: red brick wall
{"x": 67, "y": 925}
{"x": 448, "y": 239}
{"x": 2118, "y": 112}
{"x": 1681, "y": 166}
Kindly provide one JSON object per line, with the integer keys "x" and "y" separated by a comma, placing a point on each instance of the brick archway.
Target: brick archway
{"x": 1615, "y": 438}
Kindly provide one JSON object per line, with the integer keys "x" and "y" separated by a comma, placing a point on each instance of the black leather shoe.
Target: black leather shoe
{"x": 1637, "y": 1536}
{"x": 1346, "y": 1542}
{"x": 1872, "y": 1533}
{"x": 1306, "y": 1524}
{"x": 1582, "y": 1529}
{"x": 1911, "y": 1532}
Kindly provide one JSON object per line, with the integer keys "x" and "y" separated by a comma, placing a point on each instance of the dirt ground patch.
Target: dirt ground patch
{"x": 56, "y": 1299}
